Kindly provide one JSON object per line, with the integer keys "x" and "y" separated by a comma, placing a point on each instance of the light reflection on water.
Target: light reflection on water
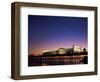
{"x": 58, "y": 60}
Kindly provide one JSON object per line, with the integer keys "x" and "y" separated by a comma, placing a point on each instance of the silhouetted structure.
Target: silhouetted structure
{"x": 60, "y": 56}
{"x": 84, "y": 50}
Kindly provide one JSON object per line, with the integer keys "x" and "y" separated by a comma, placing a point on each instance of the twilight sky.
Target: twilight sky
{"x": 52, "y": 32}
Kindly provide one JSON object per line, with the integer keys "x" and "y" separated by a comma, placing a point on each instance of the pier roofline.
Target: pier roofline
{"x": 73, "y": 50}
